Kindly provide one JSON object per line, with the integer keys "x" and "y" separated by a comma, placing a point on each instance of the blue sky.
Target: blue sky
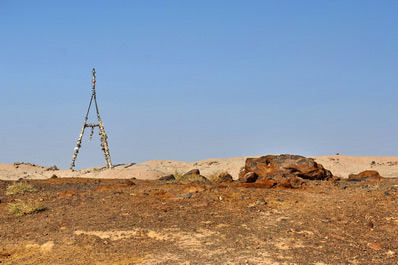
{"x": 189, "y": 80}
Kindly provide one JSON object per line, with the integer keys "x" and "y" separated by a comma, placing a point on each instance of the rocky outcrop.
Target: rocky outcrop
{"x": 367, "y": 175}
{"x": 285, "y": 170}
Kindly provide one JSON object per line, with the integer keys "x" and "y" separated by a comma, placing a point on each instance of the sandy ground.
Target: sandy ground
{"x": 340, "y": 165}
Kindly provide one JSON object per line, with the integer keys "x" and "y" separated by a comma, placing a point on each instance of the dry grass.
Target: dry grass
{"x": 177, "y": 175}
{"x": 21, "y": 208}
{"x": 20, "y": 188}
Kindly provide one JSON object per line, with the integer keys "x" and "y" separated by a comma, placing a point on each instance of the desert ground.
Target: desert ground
{"x": 128, "y": 216}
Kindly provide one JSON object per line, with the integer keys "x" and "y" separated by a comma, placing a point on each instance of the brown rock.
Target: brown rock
{"x": 285, "y": 183}
{"x": 167, "y": 177}
{"x": 128, "y": 182}
{"x": 367, "y": 175}
{"x": 248, "y": 177}
{"x": 279, "y": 167}
{"x": 369, "y": 224}
{"x": 223, "y": 177}
{"x": 291, "y": 182}
{"x": 193, "y": 176}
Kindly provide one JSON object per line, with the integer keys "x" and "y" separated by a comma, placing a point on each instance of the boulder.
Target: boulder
{"x": 222, "y": 177}
{"x": 367, "y": 175}
{"x": 248, "y": 177}
{"x": 286, "y": 170}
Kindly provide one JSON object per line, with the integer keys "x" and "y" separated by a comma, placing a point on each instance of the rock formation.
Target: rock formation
{"x": 285, "y": 170}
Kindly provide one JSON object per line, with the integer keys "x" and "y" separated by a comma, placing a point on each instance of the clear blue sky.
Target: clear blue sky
{"x": 189, "y": 80}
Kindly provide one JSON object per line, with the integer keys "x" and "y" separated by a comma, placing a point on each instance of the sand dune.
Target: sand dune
{"x": 340, "y": 165}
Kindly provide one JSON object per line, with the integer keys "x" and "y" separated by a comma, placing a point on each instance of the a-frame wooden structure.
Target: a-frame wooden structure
{"x": 104, "y": 137}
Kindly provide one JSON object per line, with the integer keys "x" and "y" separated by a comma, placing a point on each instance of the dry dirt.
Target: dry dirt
{"x": 104, "y": 221}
